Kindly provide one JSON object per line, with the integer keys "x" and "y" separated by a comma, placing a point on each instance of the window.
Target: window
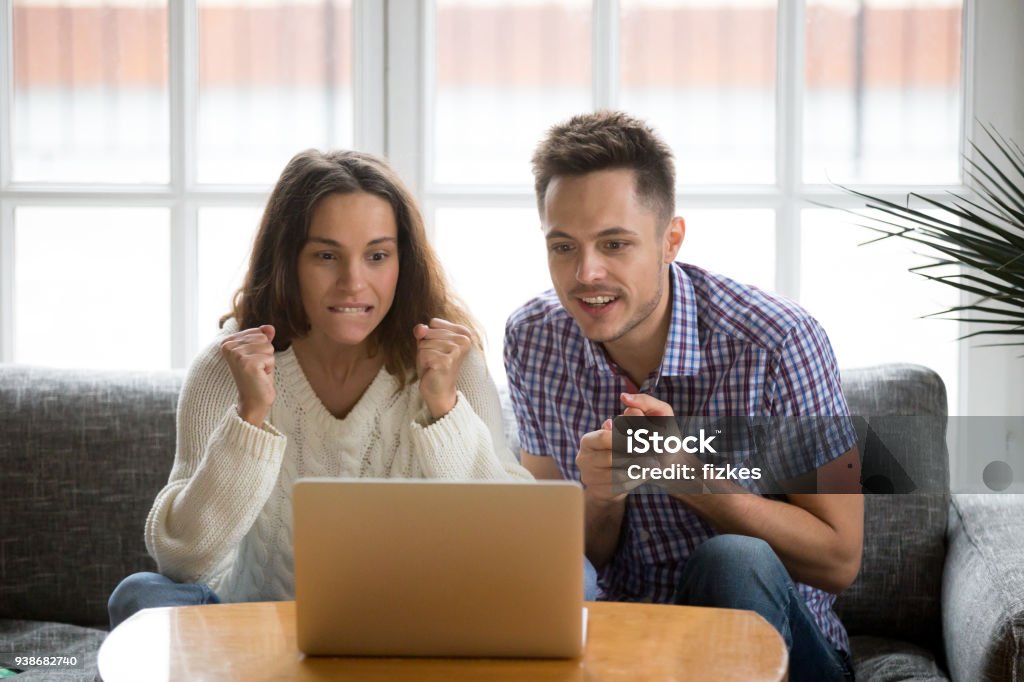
{"x": 142, "y": 140}
{"x": 763, "y": 102}
{"x": 139, "y": 140}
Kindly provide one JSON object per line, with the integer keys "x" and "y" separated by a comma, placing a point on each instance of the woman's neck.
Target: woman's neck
{"x": 339, "y": 364}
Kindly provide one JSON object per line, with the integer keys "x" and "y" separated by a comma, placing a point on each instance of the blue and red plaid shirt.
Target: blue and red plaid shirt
{"x": 732, "y": 350}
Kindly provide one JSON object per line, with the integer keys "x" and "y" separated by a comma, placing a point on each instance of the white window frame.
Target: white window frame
{"x": 183, "y": 196}
{"x": 995, "y": 23}
{"x": 391, "y": 63}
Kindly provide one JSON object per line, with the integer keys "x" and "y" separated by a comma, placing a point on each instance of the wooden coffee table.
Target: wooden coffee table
{"x": 625, "y": 641}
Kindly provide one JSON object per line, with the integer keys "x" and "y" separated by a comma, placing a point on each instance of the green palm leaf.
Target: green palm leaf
{"x": 981, "y": 235}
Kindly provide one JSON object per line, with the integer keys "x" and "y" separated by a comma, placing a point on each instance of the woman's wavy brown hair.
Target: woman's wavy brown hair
{"x": 270, "y": 292}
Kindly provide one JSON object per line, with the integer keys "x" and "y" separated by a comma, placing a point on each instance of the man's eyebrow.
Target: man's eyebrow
{"x": 608, "y": 232}
{"x": 331, "y": 242}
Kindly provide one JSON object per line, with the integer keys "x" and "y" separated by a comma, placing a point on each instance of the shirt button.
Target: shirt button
{"x": 644, "y": 536}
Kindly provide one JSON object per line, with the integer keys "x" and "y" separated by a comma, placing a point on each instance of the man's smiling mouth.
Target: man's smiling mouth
{"x": 598, "y": 301}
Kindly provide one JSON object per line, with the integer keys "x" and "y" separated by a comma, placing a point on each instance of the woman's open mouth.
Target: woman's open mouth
{"x": 350, "y": 309}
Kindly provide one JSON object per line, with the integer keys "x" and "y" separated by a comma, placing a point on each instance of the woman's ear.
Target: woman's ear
{"x": 674, "y": 234}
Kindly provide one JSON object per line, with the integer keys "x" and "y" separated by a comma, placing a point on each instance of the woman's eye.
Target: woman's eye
{"x": 379, "y": 256}
{"x": 325, "y": 255}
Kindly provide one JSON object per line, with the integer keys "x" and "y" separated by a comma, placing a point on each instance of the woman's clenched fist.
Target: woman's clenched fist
{"x": 250, "y": 356}
{"x": 441, "y": 347}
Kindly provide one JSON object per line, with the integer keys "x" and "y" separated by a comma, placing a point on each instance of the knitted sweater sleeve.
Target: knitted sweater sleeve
{"x": 224, "y": 471}
{"x": 469, "y": 441}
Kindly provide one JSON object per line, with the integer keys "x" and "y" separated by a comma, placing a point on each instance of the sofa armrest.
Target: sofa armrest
{"x": 983, "y": 588}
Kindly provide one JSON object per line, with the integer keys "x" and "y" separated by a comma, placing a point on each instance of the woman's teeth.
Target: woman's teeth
{"x": 338, "y": 309}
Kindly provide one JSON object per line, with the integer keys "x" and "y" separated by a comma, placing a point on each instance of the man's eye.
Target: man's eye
{"x": 614, "y": 245}
{"x": 561, "y": 248}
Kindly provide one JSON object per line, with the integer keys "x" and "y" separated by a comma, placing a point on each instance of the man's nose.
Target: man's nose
{"x": 591, "y": 268}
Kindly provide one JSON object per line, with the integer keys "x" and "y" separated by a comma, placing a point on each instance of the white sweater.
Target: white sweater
{"x": 225, "y": 516}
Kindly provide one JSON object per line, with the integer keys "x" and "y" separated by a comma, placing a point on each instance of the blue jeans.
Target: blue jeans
{"x": 589, "y": 580}
{"x": 149, "y": 590}
{"x": 740, "y": 572}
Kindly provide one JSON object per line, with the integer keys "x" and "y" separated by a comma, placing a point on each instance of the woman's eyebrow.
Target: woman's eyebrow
{"x": 323, "y": 240}
{"x": 339, "y": 245}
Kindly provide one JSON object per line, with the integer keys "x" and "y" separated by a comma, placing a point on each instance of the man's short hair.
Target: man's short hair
{"x": 608, "y": 140}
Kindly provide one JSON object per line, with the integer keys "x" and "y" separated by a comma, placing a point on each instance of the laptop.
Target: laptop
{"x": 435, "y": 568}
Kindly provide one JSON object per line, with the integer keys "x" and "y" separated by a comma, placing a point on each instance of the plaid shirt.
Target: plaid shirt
{"x": 732, "y": 350}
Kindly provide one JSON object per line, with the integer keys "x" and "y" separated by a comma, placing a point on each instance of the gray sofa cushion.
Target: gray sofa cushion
{"x": 890, "y": 660}
{"x": 27, "y": 638}
{"x": 983, "y": 590}
{"x": 897, "y": 593}
{"x": 83, "y": 456}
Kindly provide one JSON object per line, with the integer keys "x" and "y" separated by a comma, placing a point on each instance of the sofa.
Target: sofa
{"x": 940, "y": 594}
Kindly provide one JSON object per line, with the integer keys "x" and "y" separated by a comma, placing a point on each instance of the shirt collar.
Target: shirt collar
{"x": 682, "y": 345}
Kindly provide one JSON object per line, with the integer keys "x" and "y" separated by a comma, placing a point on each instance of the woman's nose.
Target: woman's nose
{"x": 350, "y": 278}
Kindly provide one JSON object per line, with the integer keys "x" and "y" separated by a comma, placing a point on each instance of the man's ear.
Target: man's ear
{"x": 674, "y": 234}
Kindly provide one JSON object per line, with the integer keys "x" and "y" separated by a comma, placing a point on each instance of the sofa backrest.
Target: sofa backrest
{"x": 84, "y": 453}
{"x": 82, "y": 456}
{"x": 903, "y": 444}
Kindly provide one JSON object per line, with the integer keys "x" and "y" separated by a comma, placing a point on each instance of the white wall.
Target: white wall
{"x": 992, "y": 379}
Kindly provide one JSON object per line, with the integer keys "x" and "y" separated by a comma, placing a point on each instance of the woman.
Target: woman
{"x": 345, "y": 355}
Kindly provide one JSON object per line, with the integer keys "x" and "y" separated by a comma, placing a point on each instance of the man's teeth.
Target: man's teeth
{"x": 599, "y": 300}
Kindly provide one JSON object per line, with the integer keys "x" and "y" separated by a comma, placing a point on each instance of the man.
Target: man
{"x": 627, "y": 330}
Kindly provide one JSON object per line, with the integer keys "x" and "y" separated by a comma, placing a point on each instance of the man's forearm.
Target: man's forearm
{"x": 603, "y": 522}
{"x": 812, "y": 551}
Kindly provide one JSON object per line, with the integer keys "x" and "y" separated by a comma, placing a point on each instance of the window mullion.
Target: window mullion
{"x": 368, "y": 75}
{"x": 6, "y": 281}
{"x": 183, "y": 47}
{"x": 6, "y": 208}
{"x": 604, "y": 54}
{"x": 406, "y": 105}
{"x": 6, "y": 86}
{"x": 789, "y": 144}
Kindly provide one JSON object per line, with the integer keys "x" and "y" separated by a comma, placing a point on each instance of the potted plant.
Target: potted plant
{"x": 976, "y": 243}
